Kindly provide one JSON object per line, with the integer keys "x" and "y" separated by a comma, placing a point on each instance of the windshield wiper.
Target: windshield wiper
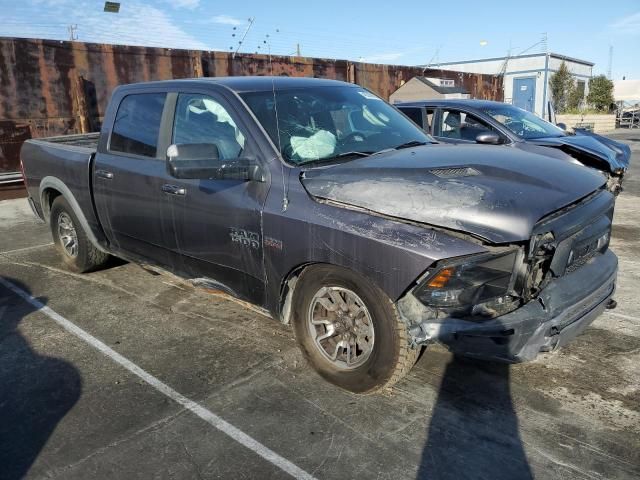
{"x": 412, "y": 143}
{"x": 349, "y": 154}
{"x": 339, "y": 156}
{"x": 357, "y": 154}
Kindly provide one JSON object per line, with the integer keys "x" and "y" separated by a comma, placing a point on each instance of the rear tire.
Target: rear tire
{"x": 78, "y": 253}
{"x": 375, "y": 332}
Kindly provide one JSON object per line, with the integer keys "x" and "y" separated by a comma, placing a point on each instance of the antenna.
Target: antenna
{"x": 251, "y": 20}
{"x": 610, "y": 61}
{"x": 72, "y": 32}
{"x": 435, "y": 55}
{"x": 285, "y": 193}
{"x": 542, "y": 42}
{"x": 503, "y": 68}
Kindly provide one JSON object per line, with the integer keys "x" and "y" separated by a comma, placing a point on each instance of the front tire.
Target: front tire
{"x": 350, "y": 331}
{"x": 77, "y": 251}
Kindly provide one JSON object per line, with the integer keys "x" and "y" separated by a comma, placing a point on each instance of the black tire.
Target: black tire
{"x": 87, "y": 257}
{"x": 391, "y": 357}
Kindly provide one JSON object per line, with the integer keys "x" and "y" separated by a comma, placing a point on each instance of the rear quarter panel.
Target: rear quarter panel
{"x": 55, "y": 166}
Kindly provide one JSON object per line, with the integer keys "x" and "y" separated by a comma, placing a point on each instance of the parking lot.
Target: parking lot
{"x": 125, "y": 374}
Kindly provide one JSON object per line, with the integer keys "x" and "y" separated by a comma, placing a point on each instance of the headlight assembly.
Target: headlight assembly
{"x": 477, "y": 286}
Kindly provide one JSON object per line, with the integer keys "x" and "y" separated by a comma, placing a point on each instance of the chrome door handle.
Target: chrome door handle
{"x": 104, "y": 174}
{"x": 174, "y": 190}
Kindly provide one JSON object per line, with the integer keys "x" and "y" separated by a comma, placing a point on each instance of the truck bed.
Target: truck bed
{"x": 65, "y": 162}
{"x": 83, "y": 140}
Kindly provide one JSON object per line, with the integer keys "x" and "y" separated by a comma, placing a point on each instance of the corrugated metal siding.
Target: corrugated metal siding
{"x": 49, "y": 87}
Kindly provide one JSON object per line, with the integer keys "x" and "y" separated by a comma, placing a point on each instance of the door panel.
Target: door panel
{"x": 524, "y": 93}
{"x": 217, "y": 223}
{"x": 218, "y": 231}
{"x": 128, "y": 181}
{"x": 131, "y": 205}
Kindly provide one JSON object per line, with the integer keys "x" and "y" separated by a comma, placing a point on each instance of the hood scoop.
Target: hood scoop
{"x": 455, "y": 172}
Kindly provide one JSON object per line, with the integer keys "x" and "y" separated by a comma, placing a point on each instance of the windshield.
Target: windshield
{"x": 524, "y": 124}
{"x": 326, "y": 123}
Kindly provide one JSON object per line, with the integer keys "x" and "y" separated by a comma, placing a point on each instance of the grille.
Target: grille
{"x": 454, "y": 172}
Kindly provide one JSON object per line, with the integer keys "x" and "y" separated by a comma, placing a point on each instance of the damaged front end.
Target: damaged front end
{"x": 518, "y": 300}
{"x": 595, "y": 151}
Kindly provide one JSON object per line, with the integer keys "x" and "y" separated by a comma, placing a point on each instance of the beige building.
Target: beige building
{"x": 424, "y": 88}
{"x": 526, "y": 77}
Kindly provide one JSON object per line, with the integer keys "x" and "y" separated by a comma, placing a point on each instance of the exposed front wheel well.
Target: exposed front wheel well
{"x": 287, "y": 290}
{"x": 288, "y": 286}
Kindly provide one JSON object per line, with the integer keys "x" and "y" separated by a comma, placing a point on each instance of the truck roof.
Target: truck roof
{"x": 248, "y": 84}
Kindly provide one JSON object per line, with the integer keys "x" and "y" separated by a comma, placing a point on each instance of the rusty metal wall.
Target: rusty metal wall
{"x": 50, "y": 87}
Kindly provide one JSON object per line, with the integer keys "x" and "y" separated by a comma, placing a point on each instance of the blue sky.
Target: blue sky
{"x": 417, "y": 32}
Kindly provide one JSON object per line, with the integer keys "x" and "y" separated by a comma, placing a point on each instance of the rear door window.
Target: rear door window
{"x": 415, "y": 114}
{"x": 429, "y": 120}
{"x": 137, "y": 124}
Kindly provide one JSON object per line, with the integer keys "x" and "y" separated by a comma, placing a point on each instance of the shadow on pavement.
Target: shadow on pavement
{"x": 36, "y": 391}
{"x": 473, "y": 433}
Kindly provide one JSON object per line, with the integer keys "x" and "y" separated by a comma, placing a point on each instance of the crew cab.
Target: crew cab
{"x": 327, "y": 208}
{"x": 496, "y": 123}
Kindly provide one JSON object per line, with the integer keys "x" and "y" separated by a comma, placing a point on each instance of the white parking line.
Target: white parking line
{"x": 208, "y": 416}
{"x": 621, "y": 315}
{"x": 26, "y": 248}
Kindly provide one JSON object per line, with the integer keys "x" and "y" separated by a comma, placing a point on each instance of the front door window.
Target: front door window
{"x": 458, "y": 125}
{"x": 200, "y": 119}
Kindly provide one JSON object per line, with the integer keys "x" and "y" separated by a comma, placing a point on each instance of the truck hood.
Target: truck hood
{"x": 495, "y": 193}
{"x": 613, "y": 155}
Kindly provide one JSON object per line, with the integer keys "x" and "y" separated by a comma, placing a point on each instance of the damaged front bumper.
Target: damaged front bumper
{"x": 561, "y": 312}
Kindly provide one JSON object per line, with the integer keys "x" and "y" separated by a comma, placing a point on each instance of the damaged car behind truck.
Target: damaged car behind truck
{"x": 327, "y": 208}
{"x": 496, "y": 123}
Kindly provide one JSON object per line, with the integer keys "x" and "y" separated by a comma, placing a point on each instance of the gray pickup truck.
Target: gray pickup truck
{"x": 325, "y": 207}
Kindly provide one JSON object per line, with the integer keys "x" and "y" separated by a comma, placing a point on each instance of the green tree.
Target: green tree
{"x": 600, "y": 93}
{"x": 573, "y": 99}
{"x": 562, "y": 85}
{"x": 576, "y": 96}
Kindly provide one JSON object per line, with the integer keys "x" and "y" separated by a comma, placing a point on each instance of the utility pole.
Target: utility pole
{"x": 610, "y": 61}
{"x": 72, "y": 32}
{"x": 298, "y": 50}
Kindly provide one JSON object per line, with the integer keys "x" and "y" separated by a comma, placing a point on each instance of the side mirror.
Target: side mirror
{"x": 489, "y": 138}
{"x": 201, "y": 161}
{"x": 561, "y": 125}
